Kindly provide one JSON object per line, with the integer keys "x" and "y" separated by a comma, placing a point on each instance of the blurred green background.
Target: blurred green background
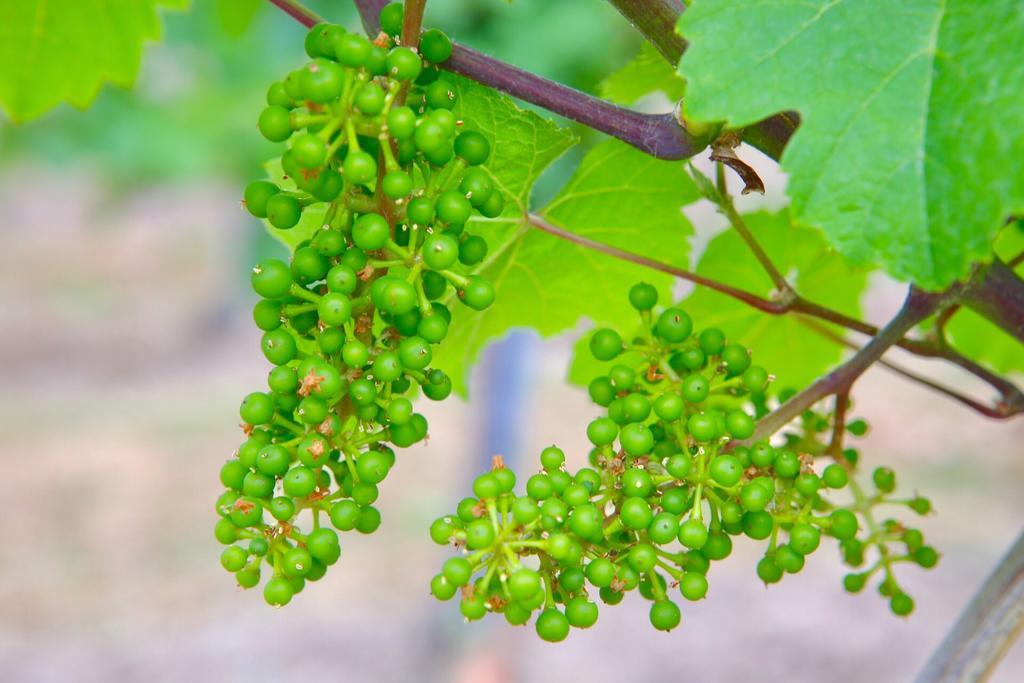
{"x": 127, "y": 345}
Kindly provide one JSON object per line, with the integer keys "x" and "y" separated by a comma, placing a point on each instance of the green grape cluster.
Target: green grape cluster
{"x": 667, "y": 489}
{"x": 349, "y": 324}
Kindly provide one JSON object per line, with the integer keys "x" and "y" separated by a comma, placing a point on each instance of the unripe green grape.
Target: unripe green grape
{"x": 602, "y": 431}
{"x": 585, "y": 521}
{"x": 643, "y": 296}
{"x": 369, "y": 99}
{"x": 283, "y": 211}
{"x": 232, "y": 474}
{"x": 273, "y": 460}
{"x": 757, "y": 525}
{"x": 788, "y": 559}
{"x": 762, "y": 454}
{"x": 476, "y": 186}
{"x": 278, "y": 346}
{"x": 321, "y": 81}
{"x": 246, "y": 512}
{"x": 787, "y": 464}
{"x": 926, "y": 556}
{"x": 736, "y": 359}
{"x": 673, "y": 325}
{"x": 754, "y": 497}
{"x": 278, "y": 591}
{"x": 435, "y": 46}
{"x": 669, "y": 407}
{"x": 396, "y": 184}
{"x": 493, "y": 205}
{"x": 320, "y": 40}
{"x": 233, "y": 559}
{"x": 472, "y": 250}
{"x": 275, "y": 124}
{"x": 257, "y": 193}
{"x": 370, "y": 231}
{"x": 695, "y": 388}
{"x": 754, "y": 379}
{"x": 884, "y": 479}
{"x": 334, "y": 309}
{"x": 636, "y": 439}
{"x": 323, "y": 545}
{"x": 636, "y": 482}
{"x": 433, "y": 328}
{"x": 442, "y": 588}
{"x": 664, "y": 528}
{"x": 665, "y": 615}
{"x": 844, "y": 524}
{"x": 282, "y": 508}
{"x": 479, "y": 534}
{"x": 901, "y": 604}
{"x": 768, "y": 571}
{"x": 704, "y": 427}
{"x": 478, "y": 293}
{"x": 739, "y": 424}
{"x": 726, "y": 470}
{"x": 486, "y": 486}
{"x": 395, "y": 296}
{"x": 473, "y": 147}
{"x": 712, "y": 341}
{"x": 258, "y": 485}
{"x": 278, "y": 96}
{"x": 414, "y": 353}
{"x": 552, "y": 626}
{"x": 693, "y": 586}
{"x": 352, "y": 50}
{"x": 440, "y": 95}
{"x": 452, "y": 207}
{"x": 404, "y": 64}
{"x": 605, "y": 344}
{"x": 524, "y": 584}
{"x": 440, "y": 251}
{"x": 225, "y": 531}
{"x": 257, "y": 408}
{"x": 804, "y": 538}
{"x": 308, "y": 265}
{"x": 299, "y": 482}
{"x": 636, "y": 513}
{"x": 401, "y": 122}
{"x": 679, "y": 466}
{"x": 391, "y": 18}
{"x": 369, "y": 520}
{"x": 309, "y": 150}
{"x": 359, "y": 167}
{"x": 693, "y": 534}
{"x": 330, "y": 186}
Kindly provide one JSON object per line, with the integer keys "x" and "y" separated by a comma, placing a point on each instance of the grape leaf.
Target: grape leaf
{"x": 786, "y": 347}
{"x": 63, "y": 51}
{"x": 908, "y": 155}
{"x": 618, "y": 196}
{"x": 647, "y": 73}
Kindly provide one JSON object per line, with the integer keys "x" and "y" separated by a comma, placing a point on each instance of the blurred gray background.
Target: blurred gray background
{"x": 127, "y": 346}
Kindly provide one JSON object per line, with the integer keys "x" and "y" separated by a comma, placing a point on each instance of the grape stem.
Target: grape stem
{"x": 917, "y": 306}
{"x": 412, "y": 22}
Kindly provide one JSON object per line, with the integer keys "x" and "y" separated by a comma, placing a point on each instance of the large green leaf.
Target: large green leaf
{"x": 789, "y": 349}
{"x": 52, "y": 52}
{"x": 646, "y": 73}
{"x": 618, "y": 196}
{"x": 909, "y": 154}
